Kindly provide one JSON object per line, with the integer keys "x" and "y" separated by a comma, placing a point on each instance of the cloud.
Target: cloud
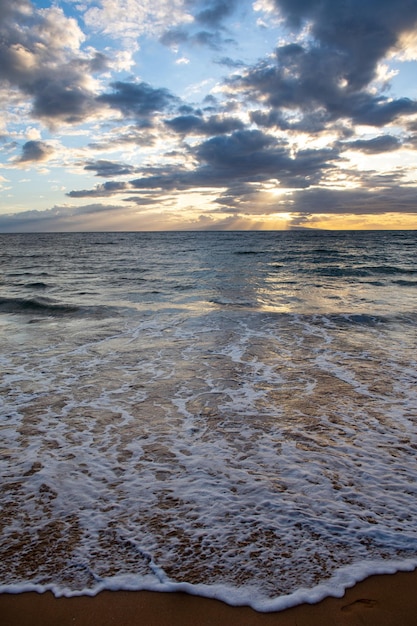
{"x": 129, "y": 19}
{"x": 266, "y": 128}
{"x": 312, "y": 83}
{"x": 380, "y": 111}
{"x": 144, "y": 201}
{"x": 243, "y": 156}
{"x": 354, "y": 201}
{"x": 247, "y": 156}
{"x": 137, "y": 100}
{"x": 122, "y": 136}
{"x": 62, "y": 99}
{"x": 108, "y": 169}
{"x": 359, "y": 33}
{"x": 174, "y": 37}
{"x": 205, "y": 28}
{"x": 109, "y": 188}
{"x": 195, "y": 124}
{"x": 40, "y": 54}
{"x": 229, "y": 62}
{"x": 35, "y": 151}
{"x": 178, "y": 36}
{"x": 252, "y": 155}
{"x": 311, "y": 86}
{"x": 377, "y": 196}
{"x": 60, "y": 219}
{"x": 213, "y": 12}
{"x": 377, "y": 145}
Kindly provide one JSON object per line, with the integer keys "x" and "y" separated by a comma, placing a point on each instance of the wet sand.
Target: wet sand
{"x": 387, "y": 600}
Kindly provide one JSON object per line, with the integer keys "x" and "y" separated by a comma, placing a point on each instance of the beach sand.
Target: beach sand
{"x": 387, "y": 600}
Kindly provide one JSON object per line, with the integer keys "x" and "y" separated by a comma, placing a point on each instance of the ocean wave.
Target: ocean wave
{"x": 243, "y": 252}
{"x": 244, "y": 431}
{"x": 36, "y": 285}
{"x": 406, "y": 283}
{"x": 337, "y": 271}
{"x": 40, "y": 306}
{"x": 47, "y": 307}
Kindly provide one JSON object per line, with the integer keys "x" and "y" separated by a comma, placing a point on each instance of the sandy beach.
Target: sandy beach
{"x": 387, "y": 600}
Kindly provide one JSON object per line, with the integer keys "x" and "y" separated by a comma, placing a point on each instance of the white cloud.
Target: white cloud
{"x": 123, "y": 60}
{"x": 271, "y": 15}
{"x": 406, "y": 49}
{"x": 33, "y": 133}
{"x": 267, "y": 6}
{"x": 56, "y": 31}
{"x": 129, "y": 19}
{"x": 383, "y": 77}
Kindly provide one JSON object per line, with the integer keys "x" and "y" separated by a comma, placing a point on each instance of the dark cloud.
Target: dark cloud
{"x": 143, "y": 200}
{"x": 174, "y": 37}
{"x": 411, "y": 142}
{"x": 412, "y": 126}
{"x": 354, "y": 201}
{"x": 186, "y": 109}
{"x": 137, "y": 100}
{"x": 328, "y": 79}
{"x": 99, "y": 63}
{"x": 186, "y": 124}
{"x": 231, "y": 63}
{"x": 209, "y": 39}
{"x": 167, "y": 180}
{"x": 243, "y": 156}
{"x": 38, "y": 56}
{"x": 8, "y": 8}
{"x": 239, "y": 150}
{"x": 359, "y": 32}
{"x": 322, "y": 84}
{"x": 178, "y": 36}
{"x": 207, "y": 28}
{"x": 252, "y": 155}
{"x": 311, "y": 122}
{"x": 35, "y": 151}
{"x": 379, "y": 111}
{"x": 62, "y": 98}
{"x": 252, "y": 200}
{"x": 213, "y": 12}
{"x": 377, "y": 145}
{"x": 194, "y": 124}
{"x": 239, "y": 198}
{"x": 246, "y": 156}
{"x": 108, "y": 169}
{"x": 312, "y": 81}
{"x": 210, "y": 102}
{"x": 57, "y": 219}
{"x": 106, "y": 189}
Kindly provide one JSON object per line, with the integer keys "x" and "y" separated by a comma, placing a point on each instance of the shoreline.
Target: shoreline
{"x": 380, "y": 600}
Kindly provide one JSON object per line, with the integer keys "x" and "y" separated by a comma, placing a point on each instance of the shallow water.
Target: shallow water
{"x": 231, "y": 414}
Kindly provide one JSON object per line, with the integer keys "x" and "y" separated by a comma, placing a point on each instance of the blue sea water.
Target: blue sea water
{"x": 228, "y": 414}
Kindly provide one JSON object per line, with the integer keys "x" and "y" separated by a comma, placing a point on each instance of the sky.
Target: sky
{"x": 138, "y": 115}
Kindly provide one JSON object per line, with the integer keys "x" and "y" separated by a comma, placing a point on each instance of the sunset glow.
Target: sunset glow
{"x": 208, "y": 114}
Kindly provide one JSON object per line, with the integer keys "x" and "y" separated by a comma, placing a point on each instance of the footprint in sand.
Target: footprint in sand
{"x": 363, "y": 603}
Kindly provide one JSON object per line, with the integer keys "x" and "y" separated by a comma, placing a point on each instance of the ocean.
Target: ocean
{"x": 230, "y": 414}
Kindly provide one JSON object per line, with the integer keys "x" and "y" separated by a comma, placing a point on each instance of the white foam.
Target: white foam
{"x": 262, "y": 458}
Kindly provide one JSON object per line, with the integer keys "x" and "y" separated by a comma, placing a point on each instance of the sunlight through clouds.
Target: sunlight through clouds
{"x": 198, "y": 99}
